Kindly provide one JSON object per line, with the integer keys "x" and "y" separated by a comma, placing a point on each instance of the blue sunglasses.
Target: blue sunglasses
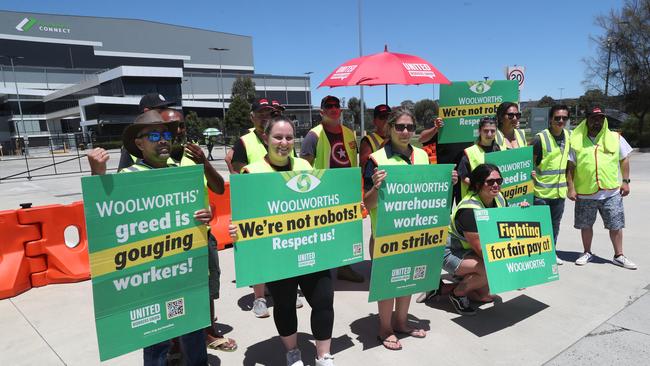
{"x": 154, "y": 136}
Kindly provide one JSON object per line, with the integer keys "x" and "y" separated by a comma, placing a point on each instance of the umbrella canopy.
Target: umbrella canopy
{"x": 385, "y": 68}
{"x": 211, "y": 132}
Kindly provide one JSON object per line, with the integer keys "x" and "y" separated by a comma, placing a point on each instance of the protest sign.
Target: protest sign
{"x": 148, "y": 256}
{"x": 516, "y": 166}
{"x": 294, "y": 223}
{"x": 411, "y": 230}
{"x": 518, "y": 247}
{"x": 463, "y": 103}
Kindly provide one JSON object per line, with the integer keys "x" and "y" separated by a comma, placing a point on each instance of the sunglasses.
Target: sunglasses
{"x": 330, "y": 106}
{"x": 154, "y": 136}
{"x": 401, "y": 127}
{"x": 513, "y": 115}
{"x": 490, "y": 182}
{"x": 560, "y": 118}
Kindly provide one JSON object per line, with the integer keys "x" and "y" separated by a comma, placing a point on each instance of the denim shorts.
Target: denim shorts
{"x": 453, "y": 256}
{"x": 611, "y": 210}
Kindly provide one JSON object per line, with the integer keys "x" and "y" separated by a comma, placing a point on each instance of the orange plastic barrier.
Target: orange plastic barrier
{"x": 15, "y": 267}
{"x": 64, "y": 263}
{"x": 220, "y": 205}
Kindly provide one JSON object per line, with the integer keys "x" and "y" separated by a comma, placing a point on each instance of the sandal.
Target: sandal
{"x": 223, "y": 344}
{"x": 415, "y": 333}
{"x": 386, "y": 342}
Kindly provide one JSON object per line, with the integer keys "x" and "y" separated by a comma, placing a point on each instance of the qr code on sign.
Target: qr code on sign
{"x": 356, "y": 249}
{"x": 420, "y": 272}
{"x": 175, "y": 308}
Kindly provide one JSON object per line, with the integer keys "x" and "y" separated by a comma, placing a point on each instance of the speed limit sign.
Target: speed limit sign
{"x": 516, "y": 73}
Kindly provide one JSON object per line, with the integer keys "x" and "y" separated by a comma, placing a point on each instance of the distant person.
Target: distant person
{"x": 331, "y": 145}
{"x": 374, "y": 140}
{"x": 210, "y": 146}
{"x": 596, "y": 158}
{"x": 550, "y": 156}
{"x": 509, "y": 136}
{"x": 475, "y": 154}
{"x": 429, "y": 139}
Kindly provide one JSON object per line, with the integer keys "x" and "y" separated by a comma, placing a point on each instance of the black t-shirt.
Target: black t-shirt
{"x": 370, "y": 165}
{"x": 464, "y": 169}
{"x": 125, "y": 160}
{"x": 537, "y": 146}
{"x": 239, "y": 151}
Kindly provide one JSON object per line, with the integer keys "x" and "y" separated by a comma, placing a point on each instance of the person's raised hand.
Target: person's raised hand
{"x": 97, "y": 158}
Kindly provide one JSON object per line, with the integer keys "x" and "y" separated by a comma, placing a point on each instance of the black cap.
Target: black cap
{"x": 276, "y": 105}
{"x": 594, "y": 111}
{"x": 260, "y": 104}
{"x": 330, "y": 99}
{"x": 381, "y": 109}
{"x": 154, "y": 100}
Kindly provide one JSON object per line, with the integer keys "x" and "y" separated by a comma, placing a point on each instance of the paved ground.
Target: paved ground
{"x": 596, "y": 314}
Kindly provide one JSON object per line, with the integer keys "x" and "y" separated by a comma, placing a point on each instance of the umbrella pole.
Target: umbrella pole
{"x": 386, "y": 94}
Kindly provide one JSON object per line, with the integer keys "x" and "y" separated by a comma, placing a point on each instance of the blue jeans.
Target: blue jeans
{"x": 192, "y": 345}
{"x": 556, "y": 205}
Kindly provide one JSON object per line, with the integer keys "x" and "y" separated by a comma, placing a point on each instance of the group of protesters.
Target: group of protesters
{"x": 583, "y": 165}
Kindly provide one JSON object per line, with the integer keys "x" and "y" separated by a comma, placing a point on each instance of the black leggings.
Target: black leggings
{"x": 318, "y": 290}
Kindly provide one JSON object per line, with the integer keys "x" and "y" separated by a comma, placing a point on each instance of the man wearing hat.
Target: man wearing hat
{"x": 331, "y": 145}
{"x": 374, "y": 141}
{"x": 596, "y": 158}
{"x": 149, "y": 139}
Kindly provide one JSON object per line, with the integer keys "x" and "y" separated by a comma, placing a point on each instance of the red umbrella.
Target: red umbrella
{"x": 385, "y": 68}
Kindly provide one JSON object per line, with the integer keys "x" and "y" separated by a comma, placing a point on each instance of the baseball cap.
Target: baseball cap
{"x": 154, "y": 100}
{"x": 381, "y": 109}
{"x": 330, "y": 99}
{"x": 277, "y": 105}
{"x": 595, "y": 110}
{"x": 261, "y": 103}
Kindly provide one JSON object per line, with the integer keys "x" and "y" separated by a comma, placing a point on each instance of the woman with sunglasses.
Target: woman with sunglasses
{"x": 279, "y": 134}
{"x": 509, "y": 136}
{"x": 463, "y": 257}
{"x": 397, "y": 151}
{"x": 475, "y": 154}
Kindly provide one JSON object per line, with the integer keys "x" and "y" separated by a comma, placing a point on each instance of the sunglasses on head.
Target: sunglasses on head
{"x": 560, "y": 118}
{"x": 154, "y": 136}
{"x": 513, "y": 115}
{"x": 490, "y": 182}
{"x": 399, "y": 127}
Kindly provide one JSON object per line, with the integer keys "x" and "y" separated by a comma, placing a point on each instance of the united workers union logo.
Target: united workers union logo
{"x": 28, "y": 23}
{"x": 480, "y": 87}
{"x": 302, "y": 182}
{"x": 343, "y": 72}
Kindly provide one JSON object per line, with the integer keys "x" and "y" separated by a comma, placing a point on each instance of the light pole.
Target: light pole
{"x": 561, "y": 90}
{"x": 20, "y": 110}
{"x": 307, "y": 99}
{"x": 609, "y": 61}
{"x": 361, "y": 102}
{"x": 223, "y": 97}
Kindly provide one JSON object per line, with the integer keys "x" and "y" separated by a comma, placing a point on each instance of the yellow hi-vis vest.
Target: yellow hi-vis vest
{"x": 473, "y": 202}
{"x": 418, "y": 157}
{"x": 520, "y": 136}
{"x": 255, "y": 149}
{"x": 550, "y": 174}
{"x": 374, "y": 140}
{"x": 140, "y": 165}
{"x": 597, "y": 164}
{"x": 323, "y": 148}
{"x": 476, "y": 156}
{"x": 261, "y": 166}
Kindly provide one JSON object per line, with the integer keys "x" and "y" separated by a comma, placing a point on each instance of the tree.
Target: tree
{"x": 408, "y": 104}
{"x": 196, "y": 125}
{"x": 546, "y": 101}
{"x": 592, "y": 97}
{"x": 623, "y": 57}
{"x": 245, "y": 87}
{"x": 352, "y": 115}
{"x": 237, "y": 116}
{"x": 426, "y": 110}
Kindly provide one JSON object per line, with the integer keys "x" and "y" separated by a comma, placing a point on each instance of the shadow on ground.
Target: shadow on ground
{"x": 367, "y": 329}
{"x": 272, "y": 352}
{"x": 573, "y": 256}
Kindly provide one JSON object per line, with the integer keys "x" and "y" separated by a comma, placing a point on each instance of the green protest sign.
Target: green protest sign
{"x": 518, "y": 247}
{"x": 411, "y": 230}
{"x": 148, "y": 256}
{"x": 294, "y": 223}
{"x": 516, "y": 166}
{"x": 463, "y": 103}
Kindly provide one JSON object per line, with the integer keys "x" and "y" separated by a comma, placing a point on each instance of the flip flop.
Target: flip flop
{"x": 223, "y": 344}
{"x": 387, "y": 341}
{"x": 415, "y": 333}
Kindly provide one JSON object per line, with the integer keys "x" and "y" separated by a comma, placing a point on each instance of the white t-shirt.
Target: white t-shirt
{"x": 624, "y": 149}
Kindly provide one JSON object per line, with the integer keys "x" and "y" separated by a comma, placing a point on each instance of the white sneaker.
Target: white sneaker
{"x": 622, "y": 261}
{"x": 294, "y": 358}
{"x": 327, "y": 360}
{"x": 558, "y": 261}
{"x": 584, "y": 259}
{"x": 259, "y": 308}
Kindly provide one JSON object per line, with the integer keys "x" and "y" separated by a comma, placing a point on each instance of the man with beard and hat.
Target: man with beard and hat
{"x": 596, "y": 157}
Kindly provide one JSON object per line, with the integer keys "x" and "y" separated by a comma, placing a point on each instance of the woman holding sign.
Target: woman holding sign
{"x": 463, "y": 255}
{"x": 475, "y": 154}
{"x": 397, "y": 151}
{"x": 317, "y": 287}
{"x": 509, "y": 136}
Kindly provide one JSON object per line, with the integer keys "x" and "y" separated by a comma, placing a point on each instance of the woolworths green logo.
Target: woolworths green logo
{"x": 303, "y": 183}
{"x": 480, "y": 87}
{"x": 26, "y": 24}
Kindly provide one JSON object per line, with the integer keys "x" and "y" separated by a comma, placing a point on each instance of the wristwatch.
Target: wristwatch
{"x": 626, "y": 180}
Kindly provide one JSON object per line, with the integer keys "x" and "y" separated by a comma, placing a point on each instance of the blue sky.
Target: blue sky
{"x": 465, "y": 40}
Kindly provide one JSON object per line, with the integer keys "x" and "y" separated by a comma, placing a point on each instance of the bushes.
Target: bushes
{"x": 630, "y": 130}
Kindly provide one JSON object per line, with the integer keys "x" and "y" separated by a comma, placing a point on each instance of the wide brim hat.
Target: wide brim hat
{"x": 146, "y": 119}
